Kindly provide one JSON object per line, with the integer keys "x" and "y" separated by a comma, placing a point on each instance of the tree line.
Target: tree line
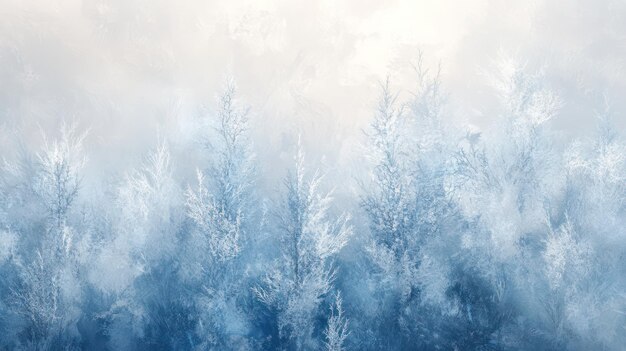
{"x": 504, "y": 239}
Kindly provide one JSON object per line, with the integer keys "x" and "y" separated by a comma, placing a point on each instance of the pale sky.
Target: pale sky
{"x": 128, "y": 68}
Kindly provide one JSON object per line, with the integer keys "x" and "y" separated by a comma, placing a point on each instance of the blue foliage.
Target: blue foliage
{"x": 502, "y": 239}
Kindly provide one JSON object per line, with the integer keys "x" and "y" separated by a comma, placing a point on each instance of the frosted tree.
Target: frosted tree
{"x": 58, "y": 180}
{"x": 432, "y": 143}
{"x": 408, "y": 207}
{"x": 515, "y": 162}
{"x": 507, "y": 174}
{"x": 233, "y": 171}
{"x": 582, "y": 283}
{"x": 221, "y": 207}
{"x": 151, "y": 201}
{"x": 47, "y": 292}
{"x": 220, "y": 235}
{"x": 390, "y": 205}
{"x": 146, "y": 305}
{"x": 310, "y": 236}
{"x": 505, "y": 182}
{"x": 595, "y": 175}
{"x": 337, "y": 330}
{"x": 221, "y": 210}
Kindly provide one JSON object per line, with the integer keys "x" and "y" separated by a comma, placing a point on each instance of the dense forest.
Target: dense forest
{"x": 505, "y": 238}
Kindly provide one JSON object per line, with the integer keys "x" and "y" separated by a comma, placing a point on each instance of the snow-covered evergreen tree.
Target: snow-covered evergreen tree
{"x": 223, "y": 222}
{"x": 311, "y": 235}
{"x": 337, "y": 330}
{"x": 47, "y": 291}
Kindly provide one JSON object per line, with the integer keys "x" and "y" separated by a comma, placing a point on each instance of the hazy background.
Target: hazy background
{"x": 131, "y": 69}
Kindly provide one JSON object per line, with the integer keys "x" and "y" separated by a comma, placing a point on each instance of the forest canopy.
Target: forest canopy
{"x": 452, "y": 238}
